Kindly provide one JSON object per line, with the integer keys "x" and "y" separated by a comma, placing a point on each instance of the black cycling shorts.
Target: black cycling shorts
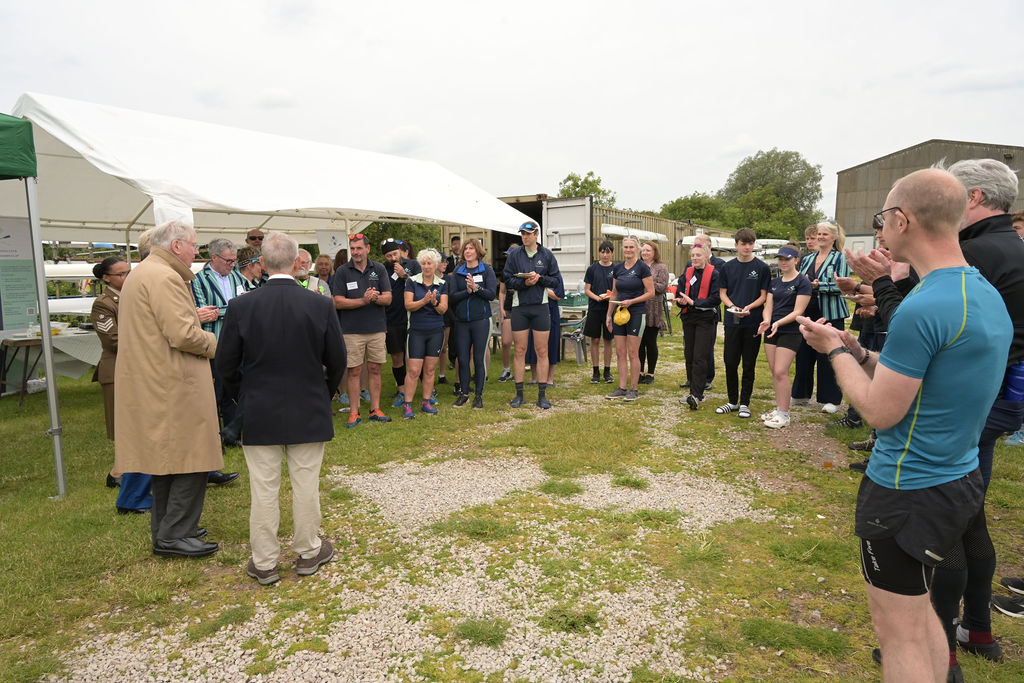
{"x": 534, "y": 317}
{"x": 906, "y": 532}
{"x": 594, "y": 326}
{"x": 394, "y": 338}
{"x": 784, "y": 340}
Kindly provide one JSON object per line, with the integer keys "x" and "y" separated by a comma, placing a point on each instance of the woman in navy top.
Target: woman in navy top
{"x": 633, "y": 285}
{"x": 426, "y": 300}
{"x": 472, "y": 287}
{"x": 788, "y": 296}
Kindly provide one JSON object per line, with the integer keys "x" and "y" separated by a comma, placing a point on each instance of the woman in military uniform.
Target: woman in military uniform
{"x": 134, "y": 496}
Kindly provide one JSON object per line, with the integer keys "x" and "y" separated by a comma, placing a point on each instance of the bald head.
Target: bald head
{"x": 935, "y": 197}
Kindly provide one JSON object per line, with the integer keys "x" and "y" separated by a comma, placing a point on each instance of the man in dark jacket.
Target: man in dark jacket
{"x": 529, "y": 272}
{"x": 281, "y": 355}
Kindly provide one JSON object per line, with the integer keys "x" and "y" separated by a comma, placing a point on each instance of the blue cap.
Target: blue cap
{"x": 787, "y": 252}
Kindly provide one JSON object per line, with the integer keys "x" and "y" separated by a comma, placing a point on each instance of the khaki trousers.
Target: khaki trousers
{"x": 264, "y": 463}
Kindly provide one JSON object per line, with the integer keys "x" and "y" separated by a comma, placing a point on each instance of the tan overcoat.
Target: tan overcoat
{"x": 165, "y": 410}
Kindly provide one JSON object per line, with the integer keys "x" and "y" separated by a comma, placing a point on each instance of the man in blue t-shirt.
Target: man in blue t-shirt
{"x": 923, "y": 488}
{"x": 744, "y": 288}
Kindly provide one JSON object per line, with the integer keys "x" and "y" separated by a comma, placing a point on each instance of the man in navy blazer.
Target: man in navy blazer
{"x": 281, "y": 355}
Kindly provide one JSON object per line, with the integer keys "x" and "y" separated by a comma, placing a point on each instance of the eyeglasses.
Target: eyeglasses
{"x": 226, "y": 260}
{"x": 258, "y": 238}
{"x": 124, "y": 274}
{"x": 880, "y": 216}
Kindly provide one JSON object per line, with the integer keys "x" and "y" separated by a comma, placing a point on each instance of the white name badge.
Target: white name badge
{"x": 394, "y": 276}
{"x": 239, "y": 290}
{"x": 478, "y": 278}
{"x": 693, "y": 279}
{"x": 351, "y": 285}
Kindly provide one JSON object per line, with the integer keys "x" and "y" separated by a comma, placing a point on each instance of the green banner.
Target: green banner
{"x": 17, "y": 149}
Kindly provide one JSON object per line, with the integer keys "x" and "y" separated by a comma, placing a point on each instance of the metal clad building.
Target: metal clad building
{"x": 861, "y": 190}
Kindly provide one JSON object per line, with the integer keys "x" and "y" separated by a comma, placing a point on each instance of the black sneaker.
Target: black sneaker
{"x": 990, "y": 651}
{"x": 1013, "y": 583}
{"x": 442, "y": 380}
{"x": 1011, "y": 606}
{"x": 596, "y": 379}
{"x": 865, "y": 445}
{"x": 608, "y": 376}
{"x": 847, "y": 421}
{"x": 707, "y": 387}
{"x": 685, "y": 385}
{"x": 462, "y": 399}
{"x": 516, "y": 402}
{"x": 543, "y": 403}
{"x": 478, "y": 402}
{"x": 861, "y": 466}
{"x": 458, "y": 389}
{"x": 692, "y": 401}
{"x": 506, "y": 375}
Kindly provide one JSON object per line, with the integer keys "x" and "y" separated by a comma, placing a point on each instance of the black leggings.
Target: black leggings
{"x": 475, "y": 334}
{"x": 973, "y": 556}
{"x": 649, "y": 349}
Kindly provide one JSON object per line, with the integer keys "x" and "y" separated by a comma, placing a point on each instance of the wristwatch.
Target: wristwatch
{"x": 856, "y": 290}
{"x": 838, "y": 351}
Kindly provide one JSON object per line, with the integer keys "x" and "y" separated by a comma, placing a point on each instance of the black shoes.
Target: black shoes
{"x": 861, "y": 466}
{"x": 646, "y": 379}
{"x": 113, "y": 482}
{"x": 442, "y": 380}
{"x": 608, "y": 376}
{"x": 478, "y": 402}
{"x": 596, "y": 379}
{"x": 220, "y": 478}
{"x": 462, "y": 399}
{"x": 185, "y": 547}
{"x": 516, "y": 402}
{"x": 132, "y": 511}
{"x": 543, "y": 403}
{"x": 847, "y": 421}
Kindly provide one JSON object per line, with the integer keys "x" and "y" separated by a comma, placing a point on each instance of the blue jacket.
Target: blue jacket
{"x": 476, "y": 306}
{"x": 543, "y": 263}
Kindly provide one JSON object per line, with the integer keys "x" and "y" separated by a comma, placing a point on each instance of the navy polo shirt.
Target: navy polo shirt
{"x": 629, "y": 284}
{"x": 352, "y": 283}
{"x": 744, "y": 282}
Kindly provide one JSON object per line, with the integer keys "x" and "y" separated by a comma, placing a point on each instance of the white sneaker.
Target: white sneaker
{"x": 829, "y": 408}
{"x": 777, "y": 422}
{"x": 769, "y": 415}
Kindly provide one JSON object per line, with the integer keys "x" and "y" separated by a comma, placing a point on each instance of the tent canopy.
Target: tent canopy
{"x": 17, "y": 153}
{"x": 107, "y": 174}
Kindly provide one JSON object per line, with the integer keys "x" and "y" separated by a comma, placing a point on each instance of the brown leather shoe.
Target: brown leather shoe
{"x": 265, "y": 577}
{"x": 307, "y": 567}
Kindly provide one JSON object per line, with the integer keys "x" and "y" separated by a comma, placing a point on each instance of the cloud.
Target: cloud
{"x": 274, "y": 98}
{"x": 406, "y": 140}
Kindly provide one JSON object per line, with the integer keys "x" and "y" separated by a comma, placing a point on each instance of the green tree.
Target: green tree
{"x": 792, "y": 179}
{"x": 699, "y": 207}
{"x": 575, "y": 186}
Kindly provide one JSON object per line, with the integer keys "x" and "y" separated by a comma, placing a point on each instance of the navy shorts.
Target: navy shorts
{"x": 784, "y": 341}
{"x": 426, "y": 343}
{"x": 534, "y": 317}
{"x": 634, "y": 328}
{"x": 594, "y": 326}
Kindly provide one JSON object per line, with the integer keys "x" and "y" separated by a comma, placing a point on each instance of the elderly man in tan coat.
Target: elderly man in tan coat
{"x": 165, "y": 411}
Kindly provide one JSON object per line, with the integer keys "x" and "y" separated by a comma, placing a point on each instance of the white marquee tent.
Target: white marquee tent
{"x": 107, "y": 174}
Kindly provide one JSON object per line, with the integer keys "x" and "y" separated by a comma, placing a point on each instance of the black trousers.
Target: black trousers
{"x": 803, "y": 379}
{"x": 649, "y": 349}
{"x": 473, "y": 335}
{"x": 177, "y": 504}
{"x": 698, "y": 339}
{"x": 741, "y": 344}
{"x": 226, "y": 407}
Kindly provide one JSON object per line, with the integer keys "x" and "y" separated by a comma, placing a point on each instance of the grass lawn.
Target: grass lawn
{"x": 597, "y": 540}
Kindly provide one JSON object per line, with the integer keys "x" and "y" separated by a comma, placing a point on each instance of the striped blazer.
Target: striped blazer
{"x": 830, "y": 299}
{"x": 206, "y": 291}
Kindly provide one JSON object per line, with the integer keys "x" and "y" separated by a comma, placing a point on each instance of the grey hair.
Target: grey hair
{"x": 144, "y": 243}
{"x": 218, "y": 246}
{"x": 837, "y": 232}
{"x": 165, "y": 233}
{"x": 635, "y": 239}
{"x": 429, "y": 254}
{"x": 997, "y": 181}
{"x": 279, "y": 252}
{"x": 303, "y": 252}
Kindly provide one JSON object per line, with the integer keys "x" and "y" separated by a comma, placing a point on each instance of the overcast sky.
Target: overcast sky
{"x": 660, "y": 99}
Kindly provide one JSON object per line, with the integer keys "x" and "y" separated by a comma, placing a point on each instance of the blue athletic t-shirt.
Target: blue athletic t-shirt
{"x": 743, "y": 283}
{"x": 425, "y": 318}
{"x": 952, "y": 331}
{"x": 629, "y": 284}
{"x": 599, "y": 278}
{"x": 784, "y": 296}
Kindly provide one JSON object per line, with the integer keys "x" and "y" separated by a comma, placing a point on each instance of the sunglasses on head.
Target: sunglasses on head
{"x": 390, "y": 240}
{"x": 358, "y": 236}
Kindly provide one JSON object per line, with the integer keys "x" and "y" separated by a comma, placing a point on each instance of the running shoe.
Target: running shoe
{"x": 379, "y": 416}
{"x": 861, "y": 466}
{"x": 353, "y": 420}
{"x": 847, "y": 421}
{"x": 516, "y": 402}
{"x": 608, "y": 376}
{"x": 407, "y": 411}
{"x": 769, "y": 415}
{"x": 865, "y": 445}
{"x": 442, "y": 380}
{"x": 1013, "y": 583}
{"x": 543, "y": 403}
{"x": 428, "y": 408}
{"x": 631, "y": 395}
{"x": 777, "y": 422}
{"x": 399, "y": 400}
{"x": 478, "y": 402}
{"x": 1015, "y": 439}
{"x": 1011, "y": 606}
{"x": 506, "y": 375}
{"x": 692, "y": 401}
{"x": 618, "y": 393}
{"x": 646, "y": 379}
{"x": 364, "y": 395}
{"x": 342, "y": 399}
{"x": 596, "y": 378}
{"x": 829, "y": 408}
{"x": 462, "y": 400}
{"x": 990, "y": 651}
{"x": 726, "y": 408}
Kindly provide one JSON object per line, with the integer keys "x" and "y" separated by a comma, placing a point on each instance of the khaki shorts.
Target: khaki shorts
{"x": 368, "y": 348}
